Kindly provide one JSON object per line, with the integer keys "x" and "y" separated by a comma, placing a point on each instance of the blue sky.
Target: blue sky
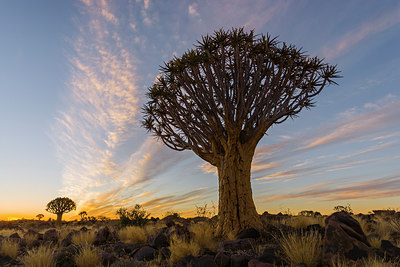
{"x": 73, "y": 78}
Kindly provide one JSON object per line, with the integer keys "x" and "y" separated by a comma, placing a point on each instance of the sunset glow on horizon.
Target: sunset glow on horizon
{"x": 73, "y": 79}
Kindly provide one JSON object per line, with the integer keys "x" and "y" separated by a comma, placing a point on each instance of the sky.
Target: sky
{"x": 73, "y": 78}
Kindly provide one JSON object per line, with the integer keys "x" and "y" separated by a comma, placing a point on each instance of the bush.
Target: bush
{"x": 138, "y": 216}
{"x": 9, "y": 248}
{"x": 39, "y": 257}
{"x": 88, "y": 257}
{"x": 134, "y": 234}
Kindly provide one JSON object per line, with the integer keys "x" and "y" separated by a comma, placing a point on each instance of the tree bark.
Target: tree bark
{"x": 59, "y": 217}
{"x": 236, "y": 209}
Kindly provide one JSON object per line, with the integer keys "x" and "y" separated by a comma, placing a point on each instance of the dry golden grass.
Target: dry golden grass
{"x": 39, "y": 257}
{"x": 302, "y": 248}
{"x": 181, "y": 248}
{"x": 133, "y": 234}
{"x": 203, "y": 235}
{"x": 8, "y": 232}
{"x": 88, "y": 257}
{"x": 30, "y": 238}
{"x": 377, "y": 262}
{"x": 375, "y": 242}
{"x": 304, "y": 221}
{"x": 9, "y": 248}
{"x": 365, "y": 226}
{"x": 83, "y": 238}
{"x": 383, "y": 228}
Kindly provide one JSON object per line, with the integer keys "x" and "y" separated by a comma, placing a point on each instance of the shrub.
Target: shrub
{"x": 133, "y": 234}
{"x": 302, "y": 248}
{"x": 88, "y": 257}
{"x": 181, "y": 248}
{"x": 204, "y": 211}
{"x": 39, "y": 257}
{"x": 203, "y": 235}
{"x": 137, "y": 216}
{"x": 9, "y": 248}
{"x": 343, "y": 208}
{"x": 83, "y": 238}
{"x": 30, "y": 238}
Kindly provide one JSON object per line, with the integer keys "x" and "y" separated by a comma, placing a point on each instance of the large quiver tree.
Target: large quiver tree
{"x": 60, "y": 206}
{"x": 220, "y": 98}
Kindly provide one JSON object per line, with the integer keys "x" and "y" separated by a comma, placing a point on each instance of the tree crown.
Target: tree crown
{"x": 233, "y": 85}
{"x": 61, "y": 205}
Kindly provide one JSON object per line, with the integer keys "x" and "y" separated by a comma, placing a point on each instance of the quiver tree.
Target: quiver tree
{"x": 221, "y": 97}
{"x": 39, "y": 216}
{"x": 60, "y": 206}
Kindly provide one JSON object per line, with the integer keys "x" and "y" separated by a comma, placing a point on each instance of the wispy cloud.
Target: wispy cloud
{"x": 371, "y": 189}
{"x": 354, "y": 37}
{"x": 192, "y": 9}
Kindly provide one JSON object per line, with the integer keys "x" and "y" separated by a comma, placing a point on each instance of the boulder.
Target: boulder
{"x": 107, "y": 258}
{"x": 65, "y": 257}
{"x": 234, "y": 245}
{"x": 240, "y": 260}
{"x": 184, "y": 262}
{"x": 102, "y": 236}
{"x": 50, "y": 236}
{"x": 249, "y": 233}
{"x": 205, "y": 260}
{"x": 159, "y": 240}
{"x": 15, "y": 235}
{"x": 344, "y": 236}
{"x": 257, "y": 263}
{"x": 390, "y": 250}
{"x": 122, "y": 249}
{"x": 268, "y": 255}
{"x": 145, "y": 253}
{"x": 222, "y": 259}
{"x": 165, "y": 253}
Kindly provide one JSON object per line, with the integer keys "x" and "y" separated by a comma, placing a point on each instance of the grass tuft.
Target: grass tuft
{"x": 88, "y": 257}
{"x": 304, "y": 221}
{"x": 9, "y": 248}
{"x": 181, "y": 248}
{"x": 83, "y": 238}
{"x": 302, "y": 247}
{"x": 39, "y": 257}
{"x": 203, "y": 235}
{"x": 133, "y": 234}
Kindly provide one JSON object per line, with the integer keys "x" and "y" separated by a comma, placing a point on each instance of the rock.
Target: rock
{"x": 8, "y": 261}
{"x": 50, "y": 236}
{"x": 68, "y": 239}
{"x": 145, "y": 253}
{"x": 249, "y": 233}
{"x": 122, "y": 249}
{"x": 205, "y": 260}
{"x": 240, "y": 260}
{"x": 233, "y": 245}
{"x": 165, "y": 253}
{"x": 65, "y": 257}
{"x": 268, "y": 255}
{"x": 107, "y": 258}
{"x": 315, "y": 228}
{"x": 257, "y": 263}
{"x": 222, "y": 259}
{"x": 184, "y": 262}
{"x": 102, "y": 236}
{"x": 14, "y": 235}
{"x": 159, "y": 240}
{"x": 391, "y": 251}
{"x": 344, "y": 236}
{"x": 83, "y": 229}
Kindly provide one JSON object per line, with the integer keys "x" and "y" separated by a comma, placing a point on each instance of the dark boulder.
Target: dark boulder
{"x": 122, "y": 249}
{"x": 344, "y": 236}
{"x": 257, "y": 263}
{"x": 249, "y": 233}
{"x": 240, "y": 260}
{"x": 65, "y": 257}
{"x": 102, "y": 236}
{"x": 15, "y": 235}
{"x": 184, "y": 262}
{"x": 390, "y": 250}
{"x": 107, "y": 258}
{"x": 268, "y": 255}
{"x": 222, "y": 259}
{"x": 205, "y": 260}
{"x": 50, "y": 236}
{"x": 234, "y": 245}
{"x": 159, "y": 240}
{"x": 145, "y": 253}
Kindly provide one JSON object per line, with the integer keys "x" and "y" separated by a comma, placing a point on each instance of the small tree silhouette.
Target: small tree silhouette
{"x": 83, "y": 215}
{"x": 60, "y": 206}
{"x": 39, "y": 216}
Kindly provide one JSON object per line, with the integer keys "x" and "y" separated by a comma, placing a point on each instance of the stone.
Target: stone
{"x": 234, "y": 245}
{"x": 268, "y": 255}
{"x": 14, "y": 235}
{"x": 390, "y": 250}
{"x": 249, "y": 233}
{"x": 205, "y": 260}
{"x": 50, "y": 235}
{"x": 257, "y": 263}
{"x": 102, "y": 236}
{"x": 107, "y": 258}
{"x": 159, "y": 240}
{"x": 122, "y": 249}
{"x": 344, "y": 236}
{"x": 145, "y": 253}
{"x": 68, "y": 239}
{"x": 65, "y": 257}
{"x": 184, "y": 262}
{"x": 165, "y": 253}
{"x": 240, "y": 260}
{"x": 222, "y": 259}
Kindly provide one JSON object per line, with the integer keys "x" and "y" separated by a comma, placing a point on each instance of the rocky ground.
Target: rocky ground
{"x": 345, "y": 240}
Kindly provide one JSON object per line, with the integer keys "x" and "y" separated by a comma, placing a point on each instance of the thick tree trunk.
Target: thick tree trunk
{"x": 236, "y": 210}
{"x": 59, "y": 217}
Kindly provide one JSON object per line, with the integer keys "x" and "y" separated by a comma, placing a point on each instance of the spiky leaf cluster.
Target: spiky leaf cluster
{"x": 232, "y": 86}
{"x": 61, "y": 205}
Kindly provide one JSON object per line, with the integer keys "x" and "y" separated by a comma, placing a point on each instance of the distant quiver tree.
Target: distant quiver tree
{"x": 221, "y": 97}
{"x": 60, "y": 206}
{"x": 39, "y": 216}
